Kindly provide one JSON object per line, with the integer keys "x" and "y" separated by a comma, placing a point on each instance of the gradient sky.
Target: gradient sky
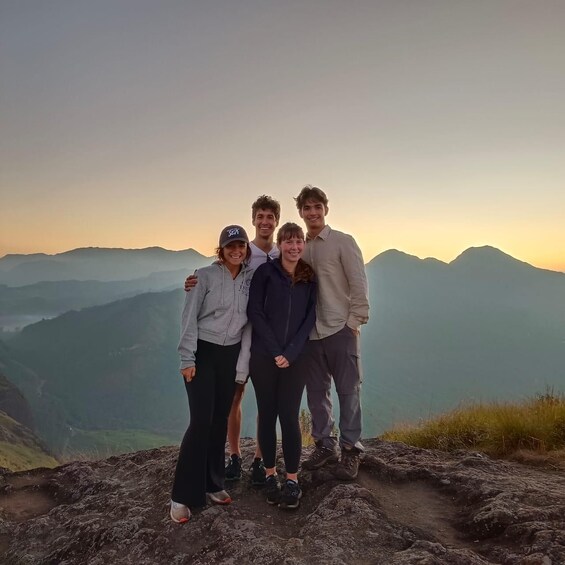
{"x": 433, "y": 125}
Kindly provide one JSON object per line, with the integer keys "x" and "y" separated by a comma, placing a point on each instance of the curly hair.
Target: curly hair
{"x": 265, "y": 202}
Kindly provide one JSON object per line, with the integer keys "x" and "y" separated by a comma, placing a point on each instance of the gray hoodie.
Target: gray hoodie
{"x": 215, "y": 310}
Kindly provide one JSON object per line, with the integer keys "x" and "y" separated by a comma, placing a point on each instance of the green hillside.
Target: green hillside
{"x": 97, "y": 444}
{"x": 19, "y": 447}
{"x": 111, "y": 367}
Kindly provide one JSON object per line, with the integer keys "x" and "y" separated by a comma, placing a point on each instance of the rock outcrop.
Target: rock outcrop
{"x": 408, "y": 506}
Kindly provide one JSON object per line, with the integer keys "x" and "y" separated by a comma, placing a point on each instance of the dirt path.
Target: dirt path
{"x": 26, "y": 496}
{"x": 415, "y": 505}
{"x": 419, "y": 506}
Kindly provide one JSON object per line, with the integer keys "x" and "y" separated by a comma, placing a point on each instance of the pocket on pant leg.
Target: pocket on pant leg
{"x": 346, "y": 362}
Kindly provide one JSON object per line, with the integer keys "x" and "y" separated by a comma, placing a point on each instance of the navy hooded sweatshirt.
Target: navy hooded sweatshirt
{"x": 281, "y": 313}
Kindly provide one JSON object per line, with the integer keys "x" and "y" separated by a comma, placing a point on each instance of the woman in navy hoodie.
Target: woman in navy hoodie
{"x": 282, "y": 312}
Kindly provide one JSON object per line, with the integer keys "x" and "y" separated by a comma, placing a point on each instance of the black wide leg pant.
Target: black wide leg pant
{"x": 200, "y": 467}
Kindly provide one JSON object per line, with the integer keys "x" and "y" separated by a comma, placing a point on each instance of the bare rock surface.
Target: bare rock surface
{"x": 408, "y": 506}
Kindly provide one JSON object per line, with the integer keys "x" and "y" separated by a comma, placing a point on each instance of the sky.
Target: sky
{"x": 432, "y": 125}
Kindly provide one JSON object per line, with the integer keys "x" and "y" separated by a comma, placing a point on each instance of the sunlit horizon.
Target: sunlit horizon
{"x": 133, "y": 125}
{"x": 208, "y": 251}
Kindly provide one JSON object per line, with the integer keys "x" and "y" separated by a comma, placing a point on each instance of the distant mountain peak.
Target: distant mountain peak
{"x": 394, "y": 253}
{"x": 488, "y": 259}
{"x": 486, "y": 253}
{"x": 395, "y": 256}
{"x": 142, "y": 250}
{"x": 12, "y": 256}
{"x": 484, "y": 250}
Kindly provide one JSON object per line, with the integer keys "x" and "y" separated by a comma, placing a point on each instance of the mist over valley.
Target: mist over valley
{"x": 101, "y": 376}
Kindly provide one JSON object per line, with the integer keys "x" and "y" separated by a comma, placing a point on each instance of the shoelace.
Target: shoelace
{"x": 291, "y": 488}
{"x": 349, "y": 460}
{"x": 319, "y": 453}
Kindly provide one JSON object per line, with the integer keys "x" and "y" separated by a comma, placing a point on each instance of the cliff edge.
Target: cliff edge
{"x": 408, "y": 506}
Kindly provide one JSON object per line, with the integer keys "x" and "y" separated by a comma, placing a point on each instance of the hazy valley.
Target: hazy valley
{"x": 104, "y": 378}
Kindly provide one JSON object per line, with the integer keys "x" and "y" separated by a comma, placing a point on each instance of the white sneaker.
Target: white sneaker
{"x": 220, "y": 497}
{"x": 179, "y": 512}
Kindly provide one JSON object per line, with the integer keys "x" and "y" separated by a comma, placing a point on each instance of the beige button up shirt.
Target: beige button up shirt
{"x": 342, "y": 282}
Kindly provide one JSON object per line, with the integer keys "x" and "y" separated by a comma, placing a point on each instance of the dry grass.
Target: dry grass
{"x": 532, "y": 431}
{"x": 305, "y": 420}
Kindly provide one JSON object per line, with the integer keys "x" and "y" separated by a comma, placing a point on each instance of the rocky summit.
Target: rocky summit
{"x": 408, "y": 506}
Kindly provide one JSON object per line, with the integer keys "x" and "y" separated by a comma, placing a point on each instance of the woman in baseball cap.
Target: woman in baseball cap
{"x": 233, "y": 233}
{"x": 214, "y": 315}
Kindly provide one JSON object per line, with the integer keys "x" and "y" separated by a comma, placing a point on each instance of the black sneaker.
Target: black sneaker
{"x": 272, "y": 489}
{"x": 348, "y": 467}
{"x": 258, "y": 473}
{"x": 233, "y": 468}
{"x": 290, "y": 495}
{"x": 320, "y": 456}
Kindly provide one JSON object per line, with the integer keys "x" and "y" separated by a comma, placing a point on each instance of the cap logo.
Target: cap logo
{"x": 232, "y": 232}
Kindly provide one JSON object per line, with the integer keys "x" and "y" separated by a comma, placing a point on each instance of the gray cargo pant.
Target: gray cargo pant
{"x": 336, "y": 356}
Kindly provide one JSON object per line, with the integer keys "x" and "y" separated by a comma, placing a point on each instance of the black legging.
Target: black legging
{"x": 278, "y": 393}
{"x": 200, "y": 466}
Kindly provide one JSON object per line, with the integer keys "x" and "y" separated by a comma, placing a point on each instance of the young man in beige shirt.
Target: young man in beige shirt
{"x": 333, "y": 349}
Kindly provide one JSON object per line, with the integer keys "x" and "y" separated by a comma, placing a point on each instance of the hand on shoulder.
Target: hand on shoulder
{"x": 190, "y": 282}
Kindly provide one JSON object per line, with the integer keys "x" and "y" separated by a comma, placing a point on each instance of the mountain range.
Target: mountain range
{"x": 39, "y": 286}
{"x": 483, "y": 327}
{"x": 96, "y": 264}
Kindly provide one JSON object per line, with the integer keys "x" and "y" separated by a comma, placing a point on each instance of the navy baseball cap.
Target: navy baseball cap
{"x": 233, "y": 233}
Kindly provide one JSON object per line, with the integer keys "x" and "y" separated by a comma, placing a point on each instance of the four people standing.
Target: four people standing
{"x": 282, "y": 314}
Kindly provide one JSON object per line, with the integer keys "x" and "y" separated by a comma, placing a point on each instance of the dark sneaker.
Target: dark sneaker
{"x": 290, "y": 495}
{"x": 320, "y": 456}
{"x": 272, "y": 489}
{"x": 258, "y": 473}
{"x": 348, "y": 467}
{"x": 233, "y": 468}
